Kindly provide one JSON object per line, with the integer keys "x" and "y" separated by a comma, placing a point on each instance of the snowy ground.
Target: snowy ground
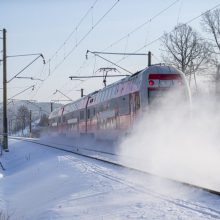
{"x": 43, "y": 183}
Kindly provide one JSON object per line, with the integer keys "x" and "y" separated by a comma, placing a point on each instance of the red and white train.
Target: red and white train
{"x": 112, "y": 111}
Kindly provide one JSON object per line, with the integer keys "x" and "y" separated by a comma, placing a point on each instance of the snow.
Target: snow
{"x": 44, "y": 183}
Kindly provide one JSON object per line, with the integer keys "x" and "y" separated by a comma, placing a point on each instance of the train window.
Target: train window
{"x": 117, "y": 89}
{"x": 137, "y": 101}
{"x": 88, "y": 113}
{"x": 94, "y": 112}
{"x": 101, "y": 95}
{"x": 81, "y": 115}
{"x": 112, "y": 104}
{"x": 123, "y": 104}
{"x": 107, "y": 94}
{"x": 97, "y": 98}
{"x": 104, "y": 94}
{"x": 114, "y": 92}
{"x": 111, "y": 92}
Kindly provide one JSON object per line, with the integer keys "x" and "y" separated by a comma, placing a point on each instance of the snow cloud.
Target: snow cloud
{"x": 178, "y": 141}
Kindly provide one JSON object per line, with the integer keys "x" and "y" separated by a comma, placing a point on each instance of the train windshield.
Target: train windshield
{"x": 155, "y": 96}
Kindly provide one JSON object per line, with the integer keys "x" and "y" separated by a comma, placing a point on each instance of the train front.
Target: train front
{"x": 166, "y": 87}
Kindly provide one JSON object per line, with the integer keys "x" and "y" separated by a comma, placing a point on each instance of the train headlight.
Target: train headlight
{"x": 151, "y": 82}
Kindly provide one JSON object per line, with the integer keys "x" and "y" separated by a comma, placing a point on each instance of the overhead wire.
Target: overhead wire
{"x": 84, "y": 37}
{"x": 81, "y": 40}
{"x": 75, "y": 30}
{"x": 63, "y": 45}
{"x": 54, "y": 56}
{"x": 142, "y": 25}
{"x": 155, "y": 40}
{"x": 179, "y": 11}
{"x": 136, "y": 29}
{"x": 126, "y": 36}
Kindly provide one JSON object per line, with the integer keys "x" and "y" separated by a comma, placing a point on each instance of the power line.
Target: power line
{"x": 179, "y": 11}
{"x": 142, "y": 25}
{"x": 136, "y": 29}
{"x": 96, "y": 54}
{"x": 32, "y": 87}
{"x": 75, "y": 30}
{"x": 114, "y": 53}
{"x": 57, "y": 90}
{"x": 81, "y": 40}
{"x": 155, "y": 40}
{"x": 69, "y": 36}
{"x": 40, "y": 55}
{"x": 88, "y": 77}
{"x": 131, "y": 32}
{"x": 84, "y": 37}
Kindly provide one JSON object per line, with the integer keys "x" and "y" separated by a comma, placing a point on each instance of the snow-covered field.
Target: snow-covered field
{"x": 43, "y": 183}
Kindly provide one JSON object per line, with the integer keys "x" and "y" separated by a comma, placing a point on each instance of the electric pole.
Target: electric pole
{"x": 5, "y": 119}
{"x": 51, "y": 106}
{"x": 149, "y": 58}
{"x": 81, "y": 93}
{"x": 30, "y": 126}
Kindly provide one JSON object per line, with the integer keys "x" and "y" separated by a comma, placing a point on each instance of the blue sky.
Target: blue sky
{"x": 43, "y": 26}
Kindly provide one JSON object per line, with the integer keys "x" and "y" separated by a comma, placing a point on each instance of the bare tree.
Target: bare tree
{"x": 185, "y": 49}
{"x": 211, "y": 24}
{"x": 23, "y": 115}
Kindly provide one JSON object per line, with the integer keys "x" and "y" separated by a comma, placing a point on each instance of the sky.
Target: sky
{"x": 64, "y": 30}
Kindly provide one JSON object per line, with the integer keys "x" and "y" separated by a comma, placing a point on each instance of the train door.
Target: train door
{"x": 134, "y": 105}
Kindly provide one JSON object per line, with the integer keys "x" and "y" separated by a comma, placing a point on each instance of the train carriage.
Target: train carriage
{"x": 111, "y": 112}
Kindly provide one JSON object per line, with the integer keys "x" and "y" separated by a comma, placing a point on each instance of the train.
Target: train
{"x": 112, "y": 112}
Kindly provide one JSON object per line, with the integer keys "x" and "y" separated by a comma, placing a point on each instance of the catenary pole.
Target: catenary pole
{"x": 51, "y": 106}
{"x": 81, "y": 90}
{"x": 5, "y": 119}
{"x": 30, "y": 121}
{"x": 149, "y": 58}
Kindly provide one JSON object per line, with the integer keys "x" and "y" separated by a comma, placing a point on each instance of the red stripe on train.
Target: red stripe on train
{"x": 165, "y": 76}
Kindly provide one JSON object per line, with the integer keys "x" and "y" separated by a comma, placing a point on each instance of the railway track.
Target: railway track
{"x": 78, "y": 151}
{"x": 171, "y": 201}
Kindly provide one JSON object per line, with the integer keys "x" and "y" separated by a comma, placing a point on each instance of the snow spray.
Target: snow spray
{"x": 177, "y": 142}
